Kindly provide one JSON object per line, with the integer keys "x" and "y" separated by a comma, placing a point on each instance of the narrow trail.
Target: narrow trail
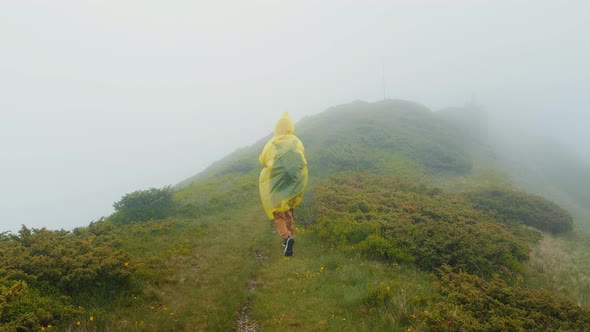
{"x": 245, "y": 322}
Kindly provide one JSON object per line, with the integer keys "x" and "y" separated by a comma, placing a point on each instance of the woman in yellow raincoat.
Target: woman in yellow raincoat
{"x": 284, "y": 178}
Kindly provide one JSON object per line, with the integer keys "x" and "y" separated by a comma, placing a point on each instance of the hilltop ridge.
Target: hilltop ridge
{"x": 404, "y": 129}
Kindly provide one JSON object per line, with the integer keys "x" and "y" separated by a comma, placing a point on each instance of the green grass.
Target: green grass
{"x": 194, "y": 271}
{"x": 200, "y": 273}
{"x": 322, "y": 289}
{"x": 207, "y": 285}
{"x": 562, "y": 265}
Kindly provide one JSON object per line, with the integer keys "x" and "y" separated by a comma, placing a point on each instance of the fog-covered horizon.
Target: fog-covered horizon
{"x": 102, "y": 98}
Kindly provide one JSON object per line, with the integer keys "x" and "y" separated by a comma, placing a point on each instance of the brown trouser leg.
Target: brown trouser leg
{"x": 284, "y": 223}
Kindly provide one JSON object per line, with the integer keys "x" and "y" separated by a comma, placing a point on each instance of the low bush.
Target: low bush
{"x": 398, "y": 220}
{"x": 44, "y": 274}
{"x": 532, "y": 210}
{"x": 71, "y": 263}
{"x": 25, "y": 309}
{"x": 144, "y": 205}
{"x": 470, "y": 303}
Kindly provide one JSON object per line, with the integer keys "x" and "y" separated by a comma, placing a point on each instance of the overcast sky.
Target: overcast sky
{"x": 104, "y": 97}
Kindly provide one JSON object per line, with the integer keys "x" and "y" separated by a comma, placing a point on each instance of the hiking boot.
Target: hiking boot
{"x": 285, "y": 240}
{"x": 288, "y": 243}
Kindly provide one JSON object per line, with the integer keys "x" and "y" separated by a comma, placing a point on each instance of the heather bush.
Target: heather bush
{"x": 144, "y": 205}
{"x": 401, "y": 221}
{"x": 70, "y": 263}
{"x": 25, "y": 309}
{"x": 45, "y": 276}
{"x": 471, "y": 303}
{"x": 532, "y": 210}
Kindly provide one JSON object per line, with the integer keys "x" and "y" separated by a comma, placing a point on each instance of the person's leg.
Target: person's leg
{"x": 289, "y": 216}
{"x": 290, "y": 240}
{"x": 281, "y": 223}
{"x": 281, "y": 219}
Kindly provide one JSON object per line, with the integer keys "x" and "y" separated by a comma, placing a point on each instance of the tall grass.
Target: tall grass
{"x": 562, "y": 264}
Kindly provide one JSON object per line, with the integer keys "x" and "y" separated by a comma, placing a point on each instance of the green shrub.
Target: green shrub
{"x": 398, "y": 220}
{"x": 471, "y": 303}
{"x": 25, "y": 309}
{"x": 532, "y": 210}
{"x": 43, "y": 274}
{"x": 144, "y": 205}
{"x": 70, "y": 263}
{"x": 481, "y": 248}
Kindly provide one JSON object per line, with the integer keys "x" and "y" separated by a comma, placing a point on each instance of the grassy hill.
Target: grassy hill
{"x": 532, "y": 161}
{"x": 411, "y": 222}
{"x": 549, "y": 169}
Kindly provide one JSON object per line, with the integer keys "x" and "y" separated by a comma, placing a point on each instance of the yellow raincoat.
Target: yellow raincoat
{"x": 283, "y": 180}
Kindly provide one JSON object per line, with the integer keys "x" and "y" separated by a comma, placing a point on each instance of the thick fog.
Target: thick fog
{"x": 102, "y": 98}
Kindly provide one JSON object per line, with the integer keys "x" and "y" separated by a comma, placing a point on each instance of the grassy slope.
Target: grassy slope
{"x": 202, "y": 273}
{"x": 240, "y": 251}
{"x": 546, "y": 168}
{"x": 322, "y": 289}
{"x": 562, "y": 264}
{"x": 221, "y": 261}
{"x": 323, "y": 137}
{"x": 530, "y": 161}
{"x": 537, "y": 165}
{"x": 207, "y": 285}
{"x": 196, "y": 273}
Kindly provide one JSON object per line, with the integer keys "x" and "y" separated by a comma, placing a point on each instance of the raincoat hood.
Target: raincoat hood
{"x": 285, "y": 125}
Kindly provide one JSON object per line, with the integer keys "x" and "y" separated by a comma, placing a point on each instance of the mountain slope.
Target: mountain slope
{"x": 404, "y": 227}
{"x": 532, "y": 161}
{"x": 391, "y": 138}
{"x": 546, "y": 168}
